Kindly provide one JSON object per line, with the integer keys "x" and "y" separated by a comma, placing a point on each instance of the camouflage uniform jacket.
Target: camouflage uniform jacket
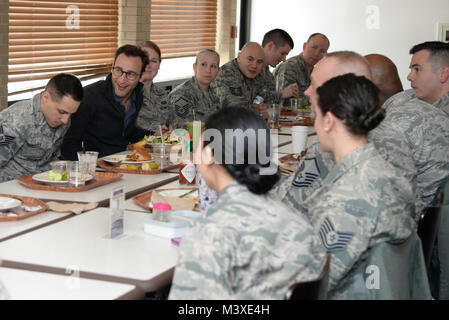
{"x": 443, "y": 103}
{"x": 414, "y": 137}
{"x": 294, "y": 189}
{"x": 27, "y": 143}
{"x": 267, "y": 86}
{"x": 156, "y": 110}
{"x": 294, "y": 70}
{"x": 362, "y": 202}
{"x": 246, "y": 246}
{"x": 233, "y": 88}
{"x": 187, "y": 97}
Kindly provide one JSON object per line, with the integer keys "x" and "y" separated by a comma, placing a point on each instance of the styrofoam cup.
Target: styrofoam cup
{"x": 299, "y": 138}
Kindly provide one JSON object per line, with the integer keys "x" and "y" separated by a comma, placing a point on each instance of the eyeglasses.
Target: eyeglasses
{"x": 130, "y": 75}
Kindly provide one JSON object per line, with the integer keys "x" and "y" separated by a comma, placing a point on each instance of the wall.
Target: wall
{"x": 4, "y": 8}
{"x": 365, "y": 26}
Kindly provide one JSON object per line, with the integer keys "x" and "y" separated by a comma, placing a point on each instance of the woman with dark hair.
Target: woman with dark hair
{"x": 156, "y": 109}
{"x": 363, "y": 201}
{"x": 246, "y": 245}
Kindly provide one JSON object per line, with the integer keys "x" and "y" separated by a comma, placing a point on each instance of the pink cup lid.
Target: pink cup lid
{"x": 161, "y": 206}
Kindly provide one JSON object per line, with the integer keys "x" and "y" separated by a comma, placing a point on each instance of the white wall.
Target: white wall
{"x": 388, "y": 27}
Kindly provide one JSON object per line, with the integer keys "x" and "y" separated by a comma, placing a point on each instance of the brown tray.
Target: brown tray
{"x": 143, "y": 199}
{"x": 110, "y": 167}
{"x": 101, "y": 179}
{"x": 28, "y": 201}
{"x": 306, "y": 122}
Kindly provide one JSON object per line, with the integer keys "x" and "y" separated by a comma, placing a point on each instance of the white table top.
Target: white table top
{"x": 32, "y": 285}
{"x": 83, "y": 241}
{"x": 134, "y": 184}
{"x": 12, "y": 228}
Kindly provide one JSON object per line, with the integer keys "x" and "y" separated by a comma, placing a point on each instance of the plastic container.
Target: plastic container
{"x": 161, "y": 212}
{"x": 173, "y": 229}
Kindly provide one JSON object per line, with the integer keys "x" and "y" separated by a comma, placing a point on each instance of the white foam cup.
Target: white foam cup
{"x": 299, "y": 138}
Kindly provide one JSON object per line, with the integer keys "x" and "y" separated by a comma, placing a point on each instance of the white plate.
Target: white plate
{"x": 121, "y": 159}
{"x": 9, "y": 203}
{"x": 43, "y": 177}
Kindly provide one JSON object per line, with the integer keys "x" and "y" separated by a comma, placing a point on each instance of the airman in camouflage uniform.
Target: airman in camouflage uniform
{"x": 188, "y": 97}
{"x": 294, "y": 70}
{"x": 32, "y": 131}
{"x": 233, "y": 88}
{"x": 414, "y": 136}
{"x": 225, "y": 252}
{"x": 299, "y": 68}
{"x": 362, "y": 202}
{"x": 156, "y": 109}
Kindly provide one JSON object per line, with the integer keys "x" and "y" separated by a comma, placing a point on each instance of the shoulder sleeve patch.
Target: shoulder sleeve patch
{"x": 331, "y": 239}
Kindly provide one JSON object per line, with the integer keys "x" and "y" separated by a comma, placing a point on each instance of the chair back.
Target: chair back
{"x": 430, "y": 220}
{"x": 311, "y": 290}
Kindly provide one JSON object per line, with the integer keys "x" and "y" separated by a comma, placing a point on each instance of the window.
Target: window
{"x": 182, "y": 28}
{"x": 48, "y": 37}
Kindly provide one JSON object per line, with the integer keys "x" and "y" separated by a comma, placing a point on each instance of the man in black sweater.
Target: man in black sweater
{"x": 106, "y": 119}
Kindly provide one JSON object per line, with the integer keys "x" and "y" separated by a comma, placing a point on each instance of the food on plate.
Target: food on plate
{"x": 129, "y": 166}
{"x": 158, "y": 139}
{"x": 141, "y": 144}
{"x": 139, "y": 154}
{"x": 57, "y": 175}
{"x": 149, "y": 166}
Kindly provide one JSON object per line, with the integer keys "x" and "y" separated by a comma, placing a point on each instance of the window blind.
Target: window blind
{"x": 50, "y": 37}
{"x": 182, "y": 28}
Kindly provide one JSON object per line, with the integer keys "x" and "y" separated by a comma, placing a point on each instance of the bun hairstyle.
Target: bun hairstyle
{"x": 248, "y": 163}
{"x": 354, "y": 100}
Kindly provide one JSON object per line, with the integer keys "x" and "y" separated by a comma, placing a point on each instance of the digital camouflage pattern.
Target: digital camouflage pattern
{"x": 233, "y": 88}
{"x": 266, "y": 84}
{"x": 294, "y": 189}
{"x": 362, "y": 202}
{"x": 246, "y": 246}
{"x": 294, "y": 70}
{"x": 156, "y": 109}
{"x": 443, "y": 103}
{"x": 414, "y": 137}
{"x": 188, "y": 97}
{"x": 27, "y": 143}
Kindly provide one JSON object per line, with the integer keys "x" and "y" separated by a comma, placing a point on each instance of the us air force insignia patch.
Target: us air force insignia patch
{"x": 182, "y": 107}
{"x": 309, "y": 171}
{"x": 333, "y": 240}
{"x": 5, "y": 139}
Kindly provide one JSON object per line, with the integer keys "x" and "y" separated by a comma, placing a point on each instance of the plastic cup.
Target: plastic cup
{"x": 89, "y": 159}
{"x": 76, "y": 173}
{"x": 294, "y": 103}
{"x": 299, "y": 138}
{"x": 274, "y": 112}
{"x": 162, "y": 212}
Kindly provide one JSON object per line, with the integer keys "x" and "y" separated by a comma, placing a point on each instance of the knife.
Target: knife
{"x": 187, "y": 193}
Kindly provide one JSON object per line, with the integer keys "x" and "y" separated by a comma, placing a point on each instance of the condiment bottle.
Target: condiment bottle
{"x": 187, "y": 169}
{"x": 161, "y": 212}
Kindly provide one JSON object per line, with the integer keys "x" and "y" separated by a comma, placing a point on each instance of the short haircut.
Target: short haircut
{"x": 64, "y": 84}
{"x": 439, "y": 52}
{"x": 352, "y": 99}
{"x": 319, "y": 34}
{"x": 279, "y": 37}
{"x": 130, "y": 50}
{"x": 152, "y": 45}
{"x": 207, "y": 50}
{"x": 352, "y": 61}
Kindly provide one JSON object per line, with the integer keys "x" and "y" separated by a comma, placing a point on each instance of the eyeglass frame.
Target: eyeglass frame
{"x": 127, "y": 73}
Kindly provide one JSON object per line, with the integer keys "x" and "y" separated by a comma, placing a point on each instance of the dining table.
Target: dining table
{"x": 133, "y": 184}
{"x": 34, "y": 285}
{"x": 83, "y": 242}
